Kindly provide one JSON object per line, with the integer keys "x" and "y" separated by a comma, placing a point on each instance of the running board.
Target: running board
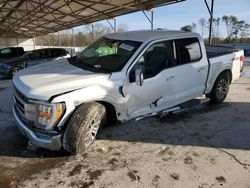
{"x": 177, "y": 109}
{"x": 184, "y": 106}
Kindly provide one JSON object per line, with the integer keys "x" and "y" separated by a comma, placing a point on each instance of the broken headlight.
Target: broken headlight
{"x": 47, "y": 115}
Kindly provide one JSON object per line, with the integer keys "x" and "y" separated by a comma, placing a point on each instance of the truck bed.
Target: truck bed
{"x": 216, "y": 50}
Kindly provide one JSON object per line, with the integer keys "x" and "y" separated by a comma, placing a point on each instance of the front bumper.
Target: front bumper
{"x": 53, "y": 143}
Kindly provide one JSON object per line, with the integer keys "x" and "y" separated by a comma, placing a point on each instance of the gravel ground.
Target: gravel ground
{"x": 206, "y": 146}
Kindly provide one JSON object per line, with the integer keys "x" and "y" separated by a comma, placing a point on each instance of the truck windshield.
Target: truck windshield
{"x": 108, "y": 55}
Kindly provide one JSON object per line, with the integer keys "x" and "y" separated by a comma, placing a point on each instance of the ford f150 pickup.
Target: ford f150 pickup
{"x": 121, "y": 76}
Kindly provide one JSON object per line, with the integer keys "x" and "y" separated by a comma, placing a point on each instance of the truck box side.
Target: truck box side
{"x": 221, "y": 59}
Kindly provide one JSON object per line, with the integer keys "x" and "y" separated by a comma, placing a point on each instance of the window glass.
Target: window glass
{"x": 55, "y": 53}
{"x": 158, "y": 57}
{"x": 44, "y": 54}
{"x": 6, "y": 51}
{"x": 32, "y": 55}
{"x": 63, "y": 52}
{"x": 187, "y": 50}
{"x": 107, "y": 54}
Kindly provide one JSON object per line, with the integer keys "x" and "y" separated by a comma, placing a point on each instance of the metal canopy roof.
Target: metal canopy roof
{"x": 39, "y": 17}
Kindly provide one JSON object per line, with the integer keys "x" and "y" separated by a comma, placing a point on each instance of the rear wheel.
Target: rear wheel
{"x": 83, "y": 126}
{"x": 14, "y": 70}
{"x": 220, "y": 89}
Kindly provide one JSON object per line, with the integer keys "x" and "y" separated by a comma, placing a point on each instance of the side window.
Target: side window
{"x": 63, "y": 52}
{"x": 159, "y": 56}
{"x": 44, "y": 54}
{"x": 33, "y": 55}
{"x": 187, "y": 50}
{"x": 6, "y": 51}
{"x": 55, "y": 53}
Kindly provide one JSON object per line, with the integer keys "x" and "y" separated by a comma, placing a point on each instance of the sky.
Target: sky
{"x": 185, "y": 13}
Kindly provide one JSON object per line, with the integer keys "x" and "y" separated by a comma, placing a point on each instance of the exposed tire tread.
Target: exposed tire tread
{"x": 78, "y": 124}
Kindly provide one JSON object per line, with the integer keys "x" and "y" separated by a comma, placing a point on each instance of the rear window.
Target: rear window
{"x": 187, "y": 50}
{"x": 5, "y": 51}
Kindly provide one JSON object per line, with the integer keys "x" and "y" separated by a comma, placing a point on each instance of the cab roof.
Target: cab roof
{"x": 145, "y": 35}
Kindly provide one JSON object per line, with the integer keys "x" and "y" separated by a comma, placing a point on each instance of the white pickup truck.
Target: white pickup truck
{"x": 121, "y": 76}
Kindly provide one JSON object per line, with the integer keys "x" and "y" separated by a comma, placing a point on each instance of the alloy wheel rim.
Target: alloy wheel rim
{"x": 91, "y": 134}
{"x": 222, "y": 88}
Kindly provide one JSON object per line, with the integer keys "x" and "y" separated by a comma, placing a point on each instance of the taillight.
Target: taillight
{"x": 242, "y": 58}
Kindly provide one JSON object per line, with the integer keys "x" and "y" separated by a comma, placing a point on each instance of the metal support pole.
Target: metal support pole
{"x": 49, "y": 40}
{"x": 91, "y": 30}
{"x": 211, "y": 23}
{"x": 74, "y": 40}
{"x": 211, "y": 12}
{"x": 114, "y": 24}
{"x": 17, "y": 42}
{"x": 34, "y": 43}
{"x": 151, "y": 20}
{"x": 59, "y": 39}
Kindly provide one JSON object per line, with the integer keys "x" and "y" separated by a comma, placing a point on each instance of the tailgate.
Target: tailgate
{"x": 237, "y": 65}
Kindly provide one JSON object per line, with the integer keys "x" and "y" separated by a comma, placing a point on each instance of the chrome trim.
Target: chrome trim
{"x": 53, "y": 143}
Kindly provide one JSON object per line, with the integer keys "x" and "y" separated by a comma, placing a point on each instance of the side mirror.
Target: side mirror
{"x": 139, "y": 76}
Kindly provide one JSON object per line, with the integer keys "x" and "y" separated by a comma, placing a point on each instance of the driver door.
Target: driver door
{"x": 149, "y": 97}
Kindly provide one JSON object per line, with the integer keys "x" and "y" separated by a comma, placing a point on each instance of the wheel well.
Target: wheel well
{"x": 229, "y": 73}
{"x": 110, "y": 110}
{"x": 15, "y": 67}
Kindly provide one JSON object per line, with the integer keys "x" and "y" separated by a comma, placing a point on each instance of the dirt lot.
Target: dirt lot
{"x": 206, "y": 146}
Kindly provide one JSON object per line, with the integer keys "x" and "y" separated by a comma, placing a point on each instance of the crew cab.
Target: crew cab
{"x": 120, "y": 77}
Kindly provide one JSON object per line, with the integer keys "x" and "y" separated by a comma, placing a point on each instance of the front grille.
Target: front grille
{"x": 21, "y": 96}
{"x": 20, "y": 106}
{"x": 25, "y": 110}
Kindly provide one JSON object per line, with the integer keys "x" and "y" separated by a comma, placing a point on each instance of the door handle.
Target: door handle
{"x": 201, "y": 69}
{"x": 170, "y": 78}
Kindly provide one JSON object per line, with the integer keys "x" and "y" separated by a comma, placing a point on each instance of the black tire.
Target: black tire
{"x": 14, "y": 70}
{"x": 220, "y": 89}
{"x": 80, "y": 132}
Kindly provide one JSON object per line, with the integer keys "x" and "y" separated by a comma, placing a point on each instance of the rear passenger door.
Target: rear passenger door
{"x": 190, "y": 71}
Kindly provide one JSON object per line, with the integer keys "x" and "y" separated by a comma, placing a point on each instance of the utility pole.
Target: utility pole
{"x": 211, "y": 12}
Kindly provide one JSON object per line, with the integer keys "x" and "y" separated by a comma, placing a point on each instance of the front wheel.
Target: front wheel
{"x": 83, "y": 126}
{"x": 220, "y": 89}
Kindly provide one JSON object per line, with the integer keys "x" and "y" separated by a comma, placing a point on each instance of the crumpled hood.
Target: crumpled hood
{"x": 44, "y": 81}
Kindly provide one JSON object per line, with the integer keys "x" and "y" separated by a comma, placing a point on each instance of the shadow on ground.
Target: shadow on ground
{"x": 224, "y": 126}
